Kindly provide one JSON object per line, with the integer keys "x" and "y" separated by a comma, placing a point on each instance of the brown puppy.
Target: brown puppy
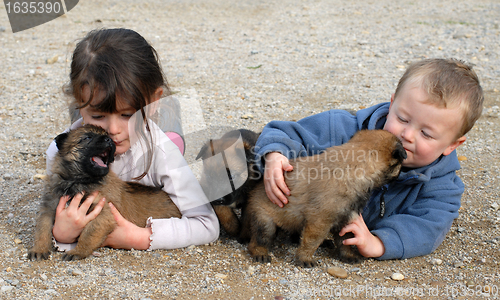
{"x": 328, "y": 191}
{"x": 82, "y": 166}
{"x": 239, "y": 167}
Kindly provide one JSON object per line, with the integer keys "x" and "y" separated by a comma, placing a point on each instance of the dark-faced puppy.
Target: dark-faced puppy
{"x": 82, "y": 166}
{"x": 238, "y": 165}
{"x": 328, "y": 191}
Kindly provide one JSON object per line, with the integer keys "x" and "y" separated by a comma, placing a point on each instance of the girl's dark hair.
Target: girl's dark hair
{"x": 117, "y": 62}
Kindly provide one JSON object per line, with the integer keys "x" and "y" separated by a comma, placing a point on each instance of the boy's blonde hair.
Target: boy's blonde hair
{"x": 449, "y": 83}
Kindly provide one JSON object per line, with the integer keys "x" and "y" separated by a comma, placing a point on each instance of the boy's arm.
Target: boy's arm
{"x": 307, "y": 136}
{"x": 420, "y": 228}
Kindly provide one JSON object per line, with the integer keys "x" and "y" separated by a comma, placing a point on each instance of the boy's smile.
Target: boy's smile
{"x": 425, "y": 130}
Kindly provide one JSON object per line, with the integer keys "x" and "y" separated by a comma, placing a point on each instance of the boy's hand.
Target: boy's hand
{"x": 368, "y": 244}
{"x": 70, "y": 220}
{"x": 127, "y": 235}
{"x": 274, "y": 182}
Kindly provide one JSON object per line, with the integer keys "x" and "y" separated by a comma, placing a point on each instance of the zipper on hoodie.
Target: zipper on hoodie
{"x": 382, "y": 201}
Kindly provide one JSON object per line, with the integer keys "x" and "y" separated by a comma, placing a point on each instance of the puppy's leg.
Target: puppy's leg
{"x": 263, "y": 231}
{"x": 228, "y": 219}
{"x": 92, "y": 236}
{"x": 245, "y": 231}
{"x": 43, "y": 236}
{"x": 345, "y": 253}
{"x": 312, "y": 236}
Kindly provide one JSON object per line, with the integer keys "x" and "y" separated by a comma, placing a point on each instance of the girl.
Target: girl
{"x": 114, "y": 73}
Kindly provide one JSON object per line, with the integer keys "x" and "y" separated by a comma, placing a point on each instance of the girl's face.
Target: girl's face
{"x": 116, "y": 124}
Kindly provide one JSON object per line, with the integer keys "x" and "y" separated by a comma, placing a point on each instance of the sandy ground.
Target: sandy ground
{"x": 246, "y": 63}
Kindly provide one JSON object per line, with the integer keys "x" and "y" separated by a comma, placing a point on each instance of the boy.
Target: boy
{"x": 436, "y": 102}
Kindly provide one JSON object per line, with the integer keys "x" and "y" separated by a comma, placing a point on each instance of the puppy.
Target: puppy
{"x": 238, "y": 168}
{"x": 82, "y": 166}
{"x": 328, "y": 191}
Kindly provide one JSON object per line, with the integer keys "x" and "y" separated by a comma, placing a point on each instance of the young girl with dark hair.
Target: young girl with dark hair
{"x": 115, "y": 73}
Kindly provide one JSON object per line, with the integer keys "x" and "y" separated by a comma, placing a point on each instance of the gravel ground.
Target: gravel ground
{"x": 247, "y": 63}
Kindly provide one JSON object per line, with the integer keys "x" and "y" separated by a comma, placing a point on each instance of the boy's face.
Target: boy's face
{"x": 426, "y": 131}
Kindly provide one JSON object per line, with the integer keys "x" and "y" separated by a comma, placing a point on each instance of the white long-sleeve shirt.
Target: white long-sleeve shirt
{"x": 198, "y": 225}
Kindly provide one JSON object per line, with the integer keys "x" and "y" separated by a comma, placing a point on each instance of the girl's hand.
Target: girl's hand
{"x": 127, "y": 235}
{"x": 368, "y": 244}
{"x": 274, "y": 182}
{"x": 70, "y": 220}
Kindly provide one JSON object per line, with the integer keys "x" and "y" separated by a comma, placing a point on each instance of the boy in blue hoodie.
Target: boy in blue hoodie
{"x": 436, "y": 102}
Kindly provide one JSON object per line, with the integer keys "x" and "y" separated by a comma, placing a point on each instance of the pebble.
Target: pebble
{"x": 76, "y": 272}
{"x": 17, "y": 241}
{"x": 337, "y": 272}
{"x": 397, "y": 276}
{"x": 52, "y": 60}
{"x": 43, "y": 276}
{"x": 495, "y": 206}
{"x": 221, "y": 276}
{"x": 250, "y": 270}
{"x": 6, "y": 288}
{"x": 459, "y": 264}
{"x": 436, "y": 261}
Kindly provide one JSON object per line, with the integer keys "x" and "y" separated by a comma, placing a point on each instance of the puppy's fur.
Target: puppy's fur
{"x": 82, "y": 166}
{"x": 224, "y": 206}
{"x": 328, "y": 191}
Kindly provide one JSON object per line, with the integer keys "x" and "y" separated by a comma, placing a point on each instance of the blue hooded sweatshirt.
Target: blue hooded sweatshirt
{"x": 420, "y": 205}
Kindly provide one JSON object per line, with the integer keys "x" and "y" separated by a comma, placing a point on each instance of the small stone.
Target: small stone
{"x": 469, "y": 283}
{"x": 9, "y": 269}
{"x": 221, "y": 276}
{"x": 2, "y": 28}
{"x": 458, "y": 264}
{"x": 15, "y": 282}
{"x": 6, "y": 288}
{"x": 96, "y": 254}
{"x": 337, "y": 272}
{"x": 40, "y": 176}
{"x": 495, "y": 206}
{"x": 43, "y": 276}
{"x": 250, "y": 270}
{"x": 436, "y": 261}
{"x": 76, "y": 272}
{"x": 247, "y": 117}
{"x": 17, "y": 241}
{"x": 397, "y": 276}
{"x": 52, "y": 60}
{"x": 462, "y": 158}
{"x": 460, "y": 229}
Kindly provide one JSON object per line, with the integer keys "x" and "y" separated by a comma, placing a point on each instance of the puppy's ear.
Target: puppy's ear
{"x": 60, "y": 139}
{"x": 203, "y": 152}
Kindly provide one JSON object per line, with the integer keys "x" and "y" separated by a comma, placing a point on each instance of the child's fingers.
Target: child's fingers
{"x": 88, "y": 202}
{"x": 75, "y": 202}
{"x": 62, "y": 204}
{"x": 116, "y": 214}
{"x": 97, "y": 210}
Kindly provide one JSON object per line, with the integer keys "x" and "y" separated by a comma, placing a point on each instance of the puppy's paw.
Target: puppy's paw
{"x": 350, "y": 255}
{"x": 70, "y": 257}
{"x": 34, "y": 255}
{"x": 262, "y": 258}
{"x": 307, "y": 263}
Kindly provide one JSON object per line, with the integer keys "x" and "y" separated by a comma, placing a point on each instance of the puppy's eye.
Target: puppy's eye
{"x": 85, "y": 139}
